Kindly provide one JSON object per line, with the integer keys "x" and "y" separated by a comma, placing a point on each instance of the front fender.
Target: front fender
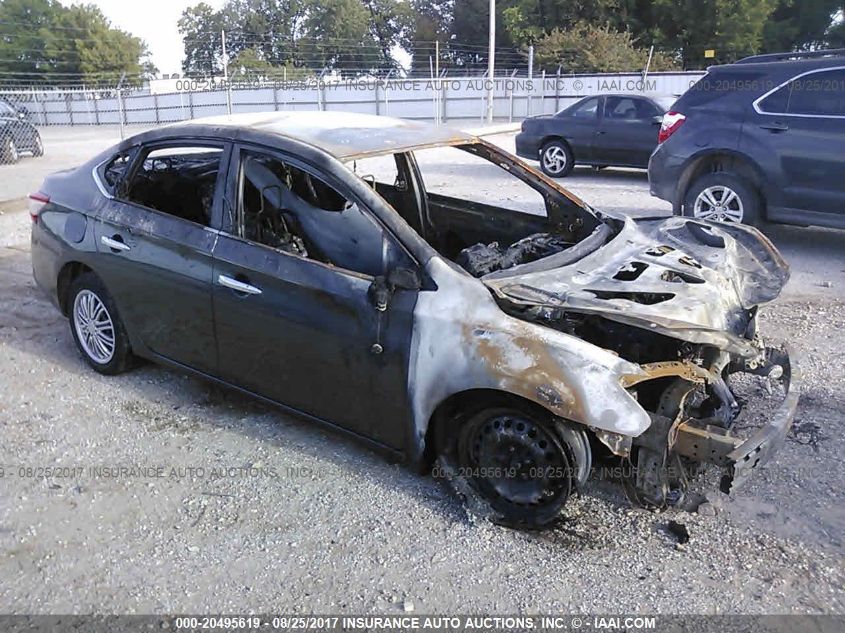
{"x": 462, "y": 341}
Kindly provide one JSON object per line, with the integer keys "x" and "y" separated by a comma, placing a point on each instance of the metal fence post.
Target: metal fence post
{"x": 557, "y": 90}
{"x": 543, "y": 92}
{"x": 444, "y": 98}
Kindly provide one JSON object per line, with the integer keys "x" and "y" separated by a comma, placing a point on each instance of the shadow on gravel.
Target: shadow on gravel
{"x": 169, "y": 402}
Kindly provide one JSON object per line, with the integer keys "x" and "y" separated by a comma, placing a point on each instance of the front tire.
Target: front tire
{"x": 96, "y": 326}
{"x": 9, "y": 151}
{"x": 556, "y": 159}
{"x": 724, "y": 197}
{"x": 523, "y": 463}
{"x": 37, "y": 146}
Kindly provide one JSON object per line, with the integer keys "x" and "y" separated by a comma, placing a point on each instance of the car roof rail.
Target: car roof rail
{"x": 778, "y": 57}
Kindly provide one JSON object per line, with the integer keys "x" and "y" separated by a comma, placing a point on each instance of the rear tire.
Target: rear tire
{"x": 556, "y": 159}
{"x": 9, "y": 151}
{"x": 723, "y": 197}
{"x": 523, "y": 463}
{"x": 96, "y": 326}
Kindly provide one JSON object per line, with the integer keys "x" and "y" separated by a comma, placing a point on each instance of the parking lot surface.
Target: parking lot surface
{"x": 156, "y": 492}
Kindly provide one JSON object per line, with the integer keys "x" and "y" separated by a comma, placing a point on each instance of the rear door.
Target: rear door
{"x": 294, "y": 316}
{"x": 155, "y": 238}
{"x": 800, "y": 128}
{"x": 578, "y": 125}
{"x": 627, "y": 131}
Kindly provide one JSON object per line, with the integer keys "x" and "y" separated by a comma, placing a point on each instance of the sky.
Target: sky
{"x": 154, "y": 21}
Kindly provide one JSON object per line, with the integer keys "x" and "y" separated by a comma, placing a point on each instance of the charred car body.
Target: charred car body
{"x": 512, "y": 346}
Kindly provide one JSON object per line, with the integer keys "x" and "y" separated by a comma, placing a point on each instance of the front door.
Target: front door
{"x": 155, "y": 245}
{"x": 293, "y": 305}
{"x": 801, "y": 128}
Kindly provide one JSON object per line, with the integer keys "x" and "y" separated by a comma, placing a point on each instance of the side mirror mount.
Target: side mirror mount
{"x": 404, "y": 279}
{"x": 382, "y": 289}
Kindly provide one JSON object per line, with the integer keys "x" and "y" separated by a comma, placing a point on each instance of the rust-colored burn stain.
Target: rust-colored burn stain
{"x": 528, "y": 363}
{"x": 686, "y": 370}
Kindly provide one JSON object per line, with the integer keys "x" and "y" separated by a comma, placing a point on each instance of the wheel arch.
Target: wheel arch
{"x": 548, "y": 138}
{"x": 69, "y": 271}
{"x": 721, "y": 161}
{"x": 457, "y": 407}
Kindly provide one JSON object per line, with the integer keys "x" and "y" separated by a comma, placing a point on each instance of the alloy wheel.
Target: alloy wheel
{"x": 718, "y": 203}
{"x": 554, "y": 159}
{"x": 94, "y": 327}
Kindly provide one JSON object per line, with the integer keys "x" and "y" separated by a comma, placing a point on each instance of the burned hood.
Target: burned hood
{"x": 692, "y": 280}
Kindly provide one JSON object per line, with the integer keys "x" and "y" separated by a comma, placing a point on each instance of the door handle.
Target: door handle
{"x": 776, "y": 126}
{"x": 239, "y": 286}
{"x": 115, "y": 245}
{"x": 600, "y": 132}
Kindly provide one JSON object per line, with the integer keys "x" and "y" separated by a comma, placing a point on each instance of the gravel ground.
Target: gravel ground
{"x": 243, "y": 508}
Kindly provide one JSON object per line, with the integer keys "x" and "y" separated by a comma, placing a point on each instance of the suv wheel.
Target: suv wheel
{"x": 9, "y": 151}
{"x": 556, "y": 159}
{"x": 96, "y": 326}
{"x": 723, "y": 197}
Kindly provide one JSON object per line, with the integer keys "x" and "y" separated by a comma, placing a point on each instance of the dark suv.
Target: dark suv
{"x": 760, "y": 139}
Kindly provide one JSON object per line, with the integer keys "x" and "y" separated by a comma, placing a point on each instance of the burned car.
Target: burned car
{"x": 512, "y": 339}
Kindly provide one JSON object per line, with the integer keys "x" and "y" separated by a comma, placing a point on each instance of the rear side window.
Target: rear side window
{"x": 113, "y": 171}
{"x": 736, "y": 87}
{"x": 177, "y": 180}
{"x": 816, "y": 94}
{"x": 628, "y": 108}
{"x": 586, "y": 110}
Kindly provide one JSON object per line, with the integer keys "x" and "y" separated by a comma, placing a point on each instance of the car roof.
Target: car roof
{"x": 781, "y": 66}
{"x": 345, "y": 135}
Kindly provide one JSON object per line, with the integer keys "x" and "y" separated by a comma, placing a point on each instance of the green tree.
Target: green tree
{"x": 432, "y": 22}
{"x": 799, "y": 25}
{"x": 200, "y": 27}
{"x": 43, "y": 41}
{"x": 733, "y": 28}
{"x": 586, "y": 48}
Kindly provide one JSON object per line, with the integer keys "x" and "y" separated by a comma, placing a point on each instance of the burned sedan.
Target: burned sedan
{"x": 321, "y": 262}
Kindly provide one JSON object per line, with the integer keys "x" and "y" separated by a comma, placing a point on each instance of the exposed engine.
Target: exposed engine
{"x": 482, "y": 259}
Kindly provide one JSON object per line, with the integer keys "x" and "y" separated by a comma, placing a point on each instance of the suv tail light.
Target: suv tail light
{"x": 671, "y": 122}
{"x": 36, "y": 203}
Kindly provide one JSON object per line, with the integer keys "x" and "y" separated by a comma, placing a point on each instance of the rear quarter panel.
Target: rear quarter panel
{"x": 64, "y": 232}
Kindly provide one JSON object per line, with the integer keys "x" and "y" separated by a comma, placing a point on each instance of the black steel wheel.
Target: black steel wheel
{"x": 519, "y": 464}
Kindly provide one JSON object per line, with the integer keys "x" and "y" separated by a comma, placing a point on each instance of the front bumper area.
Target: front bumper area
{"x": 739, "y": 458}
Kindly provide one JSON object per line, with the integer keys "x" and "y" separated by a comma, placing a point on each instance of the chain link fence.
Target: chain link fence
{"x": 442, "y": 99}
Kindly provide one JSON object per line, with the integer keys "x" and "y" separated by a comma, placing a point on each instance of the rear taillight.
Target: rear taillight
{"x": 36, "y": 203}
{"x": 671, "y": 122}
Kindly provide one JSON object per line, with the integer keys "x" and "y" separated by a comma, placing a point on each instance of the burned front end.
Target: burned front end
{"x": 679, "y": 299}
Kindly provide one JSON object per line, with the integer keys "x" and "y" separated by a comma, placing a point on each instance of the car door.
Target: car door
{"x": 798, "y": 129}
{"x": 627, "y": 131}
{"x": 578, "y": 125}
{"x": 155, "y": 238}
{"x": 16, "y": 127}
{"x": 296, "y": 281}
